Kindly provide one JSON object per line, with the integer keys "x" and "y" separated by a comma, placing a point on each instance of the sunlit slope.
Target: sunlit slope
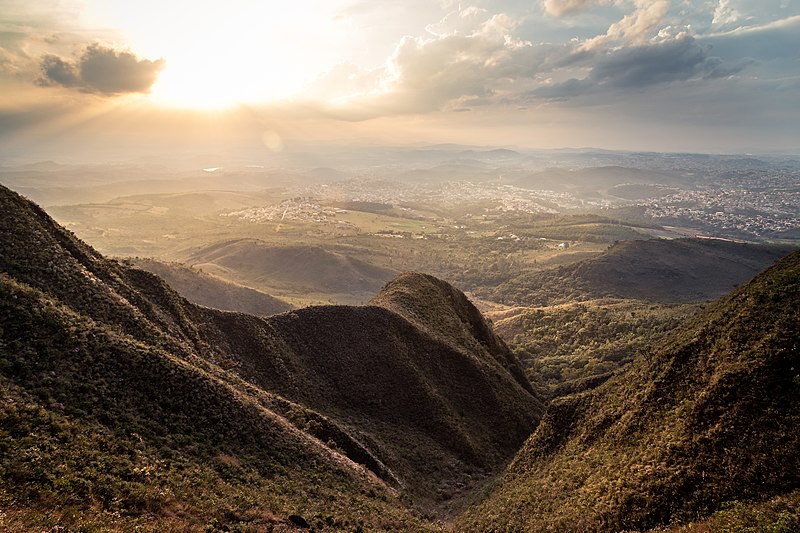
{"x": 657, "y": 270}
{"x": 708, "y": 416}
{"x": 298, "y": 269}
{"x": 204, "y": 289}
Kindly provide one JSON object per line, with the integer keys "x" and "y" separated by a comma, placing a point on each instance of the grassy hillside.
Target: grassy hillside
{"x": 706, "y": 419}
{"x": 559, "y": 344}
{"x": 435, "y": 414}
{"x": 210, "y": 291}
{"x": 444, "y": 312}
{"x": 111, "y": 405}
{"x": 100, "y": 431}
{"x": 656, "y": 270}
{"x": 294, "y": 269}
{"x": 124, "y": 405}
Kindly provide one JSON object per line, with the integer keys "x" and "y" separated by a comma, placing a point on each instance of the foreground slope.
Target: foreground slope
{"x": 114, "y": 414}
{"x": 707, "y": 417}
{"x": 656, "y": 270}
{"x": 121, "y": 397}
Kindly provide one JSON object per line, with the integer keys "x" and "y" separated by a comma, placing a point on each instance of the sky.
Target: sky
{"x": 106, "y": 79}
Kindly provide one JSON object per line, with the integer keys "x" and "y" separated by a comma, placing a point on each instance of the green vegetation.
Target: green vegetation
{"x": 667, "y": 271}
{"x": 707, "y": 416}
{"x": 777, "y": 515}
{"x": 95, "y": 424}
{"x": 562, "y": 343}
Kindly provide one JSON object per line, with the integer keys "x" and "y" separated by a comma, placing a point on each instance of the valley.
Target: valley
{"x": 523, "y": 233}
{"x": 403, "y": 350}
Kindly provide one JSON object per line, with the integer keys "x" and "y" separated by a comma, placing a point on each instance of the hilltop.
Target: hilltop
{"x": 655, "y": 270}
{"x": 125, "y": 405}
{"x": 703, "y": 421}
{"x": 211, "y": 291}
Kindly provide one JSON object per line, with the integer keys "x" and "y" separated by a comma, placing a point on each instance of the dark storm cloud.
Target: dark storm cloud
{"x": 643, "y": 66}
{"x": 101, "y": 70}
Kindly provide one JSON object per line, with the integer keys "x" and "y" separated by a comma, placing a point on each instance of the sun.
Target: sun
{"x": 220, "y": 54}
{"x": 209, "y": 77}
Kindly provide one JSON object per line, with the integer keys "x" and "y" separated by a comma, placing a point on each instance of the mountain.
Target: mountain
{"x": 211, "y": 291}
{"x": 656, "y": 270}
{"x": 125, "y": 406}
{"x": 431, "y": 411}
{"x": 298, "y": 269}
{"x": 703, "y": 422}
{"x": 444, "y": 312}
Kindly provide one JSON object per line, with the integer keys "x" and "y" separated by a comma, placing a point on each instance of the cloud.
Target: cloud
{"x": 472, "y": 56}
{"x": 643, "y": 66}
{"x": 101, "y": 70}
{"x": 559, "y": 8}
{"x": 463, "y": 21}
{"x": 725, "y": 14}
{"x": 635, "y": 28}
{"x": 774, "y": 42}
{"x": 56, "y": 71}
{"x": 475, "y": 60}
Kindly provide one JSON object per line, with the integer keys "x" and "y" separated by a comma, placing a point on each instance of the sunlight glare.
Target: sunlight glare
{"x": 222, "y": 54}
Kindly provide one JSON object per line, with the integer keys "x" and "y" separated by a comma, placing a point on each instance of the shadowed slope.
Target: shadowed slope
{"x": 439, "y": 408}
{"x": 709, "y": 416}
{"x": 445, "y": 313}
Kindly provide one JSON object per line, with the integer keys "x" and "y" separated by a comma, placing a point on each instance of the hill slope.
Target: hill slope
{"x": 125, "y": 405}
{"x": 296, "y": 269}
{"x": 658, "y": 270}
{"x": 210, "y": 291}
{"x": 438, "y": 414}
{"x": 707, "y": 417}
{"x": 112, "y": 404}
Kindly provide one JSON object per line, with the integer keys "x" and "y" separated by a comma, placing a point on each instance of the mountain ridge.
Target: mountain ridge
{"x": 108, "y": 350}
{"x": 296, "y": 268}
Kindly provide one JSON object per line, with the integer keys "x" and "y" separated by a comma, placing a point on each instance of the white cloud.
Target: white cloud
{"x": 472, "y": 57}
{"x": 635, "y": 28}
{"x": 559, "y": 8}
{"x": 459, "y": 22}
{"x": 725, "y": 14}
